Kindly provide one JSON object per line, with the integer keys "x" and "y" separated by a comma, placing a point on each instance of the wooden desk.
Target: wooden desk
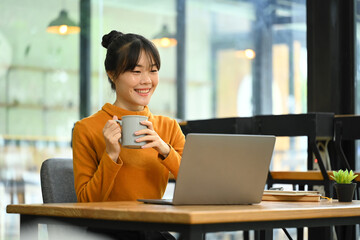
{"x": 191, "y": 221}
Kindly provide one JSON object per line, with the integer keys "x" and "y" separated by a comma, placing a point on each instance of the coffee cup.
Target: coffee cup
{"x": 129, "y": 125}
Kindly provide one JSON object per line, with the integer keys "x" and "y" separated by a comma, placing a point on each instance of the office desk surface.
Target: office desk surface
{"x": 135, "y": 211}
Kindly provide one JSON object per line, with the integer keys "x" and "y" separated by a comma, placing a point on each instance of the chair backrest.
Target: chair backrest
{"x": 57, "y": 180}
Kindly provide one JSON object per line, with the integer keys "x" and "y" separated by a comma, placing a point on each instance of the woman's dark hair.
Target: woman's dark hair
{"x": 123, "y": 52}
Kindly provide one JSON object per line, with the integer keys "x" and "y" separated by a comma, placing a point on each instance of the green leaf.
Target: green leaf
{"x": 343, "y": 176}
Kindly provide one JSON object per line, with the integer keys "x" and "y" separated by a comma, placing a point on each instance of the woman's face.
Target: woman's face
{"x": 134, "y": 88}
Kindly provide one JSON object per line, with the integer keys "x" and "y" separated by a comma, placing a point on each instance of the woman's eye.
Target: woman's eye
{"x": 134, "y": 71}
{"x": 154, "y": 70}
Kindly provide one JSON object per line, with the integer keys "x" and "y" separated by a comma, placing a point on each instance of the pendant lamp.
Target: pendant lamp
{"x": 247, "y": 53}
{"x": 63, "y": 25}
{"x": 164, "y": 38}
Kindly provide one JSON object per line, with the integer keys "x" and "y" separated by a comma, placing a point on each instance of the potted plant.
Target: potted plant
{"x": 344, "y": 186}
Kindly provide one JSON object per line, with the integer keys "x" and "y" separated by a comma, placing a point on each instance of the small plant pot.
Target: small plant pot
{"x": 345, "y": 192}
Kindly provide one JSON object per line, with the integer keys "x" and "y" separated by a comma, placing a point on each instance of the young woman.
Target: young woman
{"x": 103, "y": 170}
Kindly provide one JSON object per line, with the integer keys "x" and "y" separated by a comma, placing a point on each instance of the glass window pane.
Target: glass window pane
{"x": 144, "y": 18}
{"x": 25, "y": 121}
{"x": 39, "y": 98}
{"x": 253, "y": 61}
{"x": 3, "y": 116}
{"x": 244, "y": 49}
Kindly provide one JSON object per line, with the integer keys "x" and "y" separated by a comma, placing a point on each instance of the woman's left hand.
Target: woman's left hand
{"x": 153, "y": 139}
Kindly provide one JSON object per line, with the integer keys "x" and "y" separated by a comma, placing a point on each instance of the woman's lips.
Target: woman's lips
{"x": 143, "y": 91}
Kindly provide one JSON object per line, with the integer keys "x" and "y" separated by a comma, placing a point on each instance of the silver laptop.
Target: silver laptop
{"x": 222, "y": 169}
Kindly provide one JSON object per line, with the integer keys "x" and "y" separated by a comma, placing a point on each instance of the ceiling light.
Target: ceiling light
{"x": 63, "y": 25}
{"x": 164, "y": 39}
{"x": 247, "y": 53}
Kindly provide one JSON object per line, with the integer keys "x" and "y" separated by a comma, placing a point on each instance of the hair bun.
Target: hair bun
{"x": 108, "y": 38}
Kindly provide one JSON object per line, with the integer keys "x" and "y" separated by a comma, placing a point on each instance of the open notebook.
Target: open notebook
{"x": 222, "y": 169}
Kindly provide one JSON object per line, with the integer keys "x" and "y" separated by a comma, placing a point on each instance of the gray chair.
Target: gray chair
{"x": 57, "y": 181}
{"x": 57, "y": 186}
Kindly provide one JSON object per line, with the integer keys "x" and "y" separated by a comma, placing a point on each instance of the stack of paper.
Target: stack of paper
{"x": 301, "y": 196}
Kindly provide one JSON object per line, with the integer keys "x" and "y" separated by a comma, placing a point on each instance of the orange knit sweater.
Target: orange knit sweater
{"x": 139, "y": 173}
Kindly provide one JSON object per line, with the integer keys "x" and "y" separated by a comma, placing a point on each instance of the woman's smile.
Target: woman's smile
{"x": 143, "y": 91}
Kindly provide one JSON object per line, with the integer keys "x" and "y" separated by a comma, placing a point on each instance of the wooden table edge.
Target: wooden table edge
{"x": 186, "y": 215}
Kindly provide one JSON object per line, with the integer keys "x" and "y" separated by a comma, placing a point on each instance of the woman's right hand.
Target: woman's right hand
{"x": 112, "y": 134}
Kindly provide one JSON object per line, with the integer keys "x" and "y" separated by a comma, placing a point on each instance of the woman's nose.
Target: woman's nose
{"x": 145, "y": 78}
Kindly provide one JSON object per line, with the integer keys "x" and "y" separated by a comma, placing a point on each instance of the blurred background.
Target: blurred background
{"x": 232, "y": 58}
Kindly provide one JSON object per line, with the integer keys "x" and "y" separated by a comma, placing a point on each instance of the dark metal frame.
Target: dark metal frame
{"x": 331, "y": 45}
{"x": 346, "y": 128}
{"x": 85, "y": 57}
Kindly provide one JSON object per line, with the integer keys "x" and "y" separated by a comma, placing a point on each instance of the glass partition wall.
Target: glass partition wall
{"x": 242, "y": 58}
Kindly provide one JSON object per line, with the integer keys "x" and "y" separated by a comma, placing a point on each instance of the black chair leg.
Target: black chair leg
{"x": 246, "y": 235}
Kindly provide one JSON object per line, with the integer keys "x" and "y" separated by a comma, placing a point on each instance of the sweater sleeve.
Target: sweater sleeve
{"x": 177, "y": 141}
{"x": 94, "y": 179}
